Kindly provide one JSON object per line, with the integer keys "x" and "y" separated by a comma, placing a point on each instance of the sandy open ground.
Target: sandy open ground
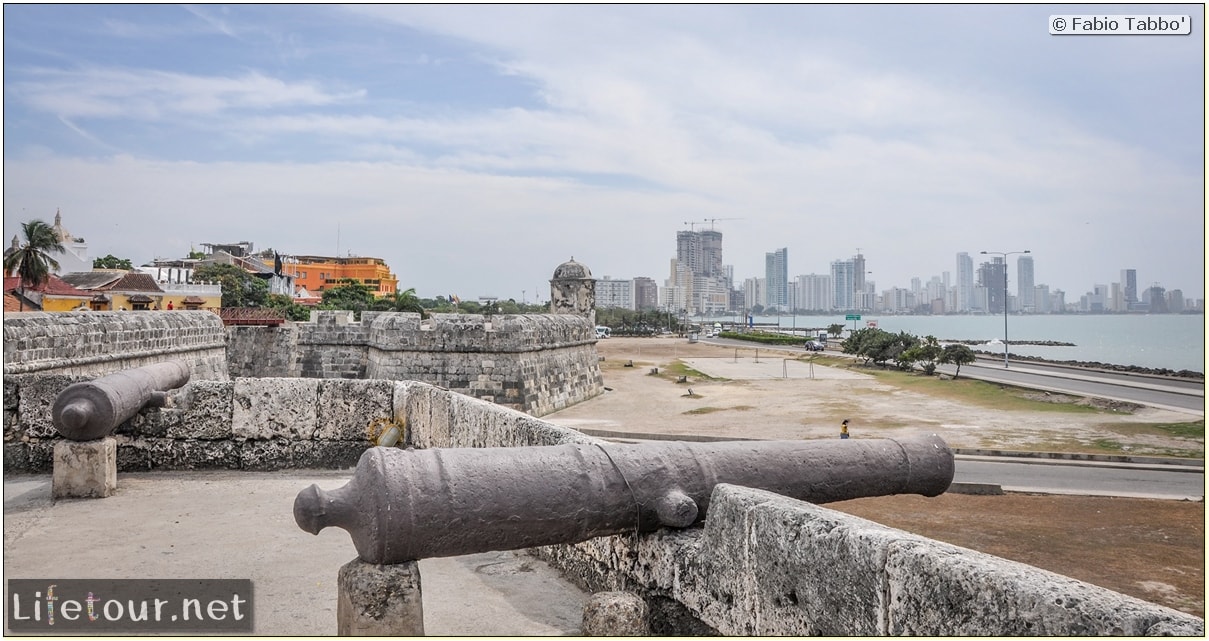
{"x": 772, "y": 395}
{"x": 1148, "y": 548}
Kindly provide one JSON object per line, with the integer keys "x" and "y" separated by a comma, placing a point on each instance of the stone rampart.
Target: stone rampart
{"x": 536, "y": 363}
{"x": 762, "y": 564}
{"x": 93, "y": 344}
{"x": 271, "y": 423}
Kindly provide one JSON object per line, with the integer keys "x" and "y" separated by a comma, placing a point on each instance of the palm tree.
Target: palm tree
{"x": 407, "y": 301}
{"x": 32, "y": 261}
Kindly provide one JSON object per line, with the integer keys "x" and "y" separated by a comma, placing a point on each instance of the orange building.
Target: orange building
{"x": 318, "y": 273}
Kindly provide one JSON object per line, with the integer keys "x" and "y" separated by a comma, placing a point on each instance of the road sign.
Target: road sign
{"x": 852, "y": 317}
{"x": 871, "y": 323}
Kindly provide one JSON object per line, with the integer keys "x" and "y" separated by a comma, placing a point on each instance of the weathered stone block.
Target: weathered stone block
{"x": 37, "y": 395}
{"x": 203, "y": 410}
{"x": 939, "y": 589}
{"x": 41, "y": 455}
{"x": 85, "y": 469}
{"x": 174, "y": 454}
{"x": 379, "y": 600}
{"x": 264, "y": 455}
{"x": 347, "y": 407}
{"x": 615, "y": 614}
{"x": 270, "y": 408}
{"x": 11, "y": 395}
{"x": 16, "y": 457}
{"x": 326, "y": 455}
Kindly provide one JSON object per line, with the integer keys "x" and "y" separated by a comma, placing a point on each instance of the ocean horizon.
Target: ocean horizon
{"x": 1171, "y": 341}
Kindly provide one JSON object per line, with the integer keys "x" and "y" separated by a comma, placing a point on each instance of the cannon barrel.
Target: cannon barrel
{"x": 93, "y": 409}
{"x": 403, "y": 505}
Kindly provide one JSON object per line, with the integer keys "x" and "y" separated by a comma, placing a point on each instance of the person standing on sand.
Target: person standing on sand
{"x": 844, "y": 429}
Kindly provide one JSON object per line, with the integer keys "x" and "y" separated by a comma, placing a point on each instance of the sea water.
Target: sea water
{"x": 1172, "y": 341}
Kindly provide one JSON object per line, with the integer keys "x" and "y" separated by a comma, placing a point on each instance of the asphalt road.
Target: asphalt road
{"x": 1178, "y": 395}
{"x": 1088, "y": 479}
{"x": 1162, "y": 392}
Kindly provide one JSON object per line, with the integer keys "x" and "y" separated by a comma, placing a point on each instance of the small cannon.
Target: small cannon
{"x": 93, "y": 409}
{"x": 405, "y": 505}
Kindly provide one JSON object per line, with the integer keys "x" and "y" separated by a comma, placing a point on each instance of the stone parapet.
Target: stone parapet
{"x": 536, "y": 363}
{"x": 767, "y": 565}
{"x": 93, "y": 344}
{"x": 272, "y": 423}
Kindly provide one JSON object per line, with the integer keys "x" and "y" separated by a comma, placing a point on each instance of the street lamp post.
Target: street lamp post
{"x": 1005, "y": 299}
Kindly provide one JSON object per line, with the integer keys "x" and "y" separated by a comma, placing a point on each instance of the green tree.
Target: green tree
{"x": 239, "y": 288}
{"x": 350, "y": 295}
{"x": 407, "y": 301}
{"x": 32, "y": 260}
{"x": 879, "y": 346}
{"x": 957, "y": 354}
{"x": 926, "y": 352}
{"x": 112, "y": 262}
{"x": 835, "y": 329}
{"x": 293, "y": 311}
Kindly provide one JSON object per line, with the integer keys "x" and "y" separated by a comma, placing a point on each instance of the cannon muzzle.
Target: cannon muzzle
{"x": 403, "y": 505}
{"x": 93, "y": 409}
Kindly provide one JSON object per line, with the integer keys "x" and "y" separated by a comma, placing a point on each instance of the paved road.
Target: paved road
{"x": 1089, "y": 479}
{"x": 1161, "y": 392}
{"x": 1178, "y": 395}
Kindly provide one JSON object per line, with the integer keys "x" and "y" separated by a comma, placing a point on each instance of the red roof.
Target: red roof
{"x": 53, "y": 286}
{"x": 13, "y": 304}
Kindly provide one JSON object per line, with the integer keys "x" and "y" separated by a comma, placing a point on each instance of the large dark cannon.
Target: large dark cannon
{"x": 403, "y": 505}
{"x": 93, "y": 409}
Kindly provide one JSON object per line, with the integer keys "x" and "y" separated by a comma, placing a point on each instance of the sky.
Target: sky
{"x": 475, "y": 148}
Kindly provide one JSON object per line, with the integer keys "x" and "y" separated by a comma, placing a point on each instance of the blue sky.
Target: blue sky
{"x": 477, "y": 147}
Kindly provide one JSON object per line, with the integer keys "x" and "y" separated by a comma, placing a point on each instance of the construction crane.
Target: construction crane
{"x": 711, "y": 221}
{"x": 690, "y": 225}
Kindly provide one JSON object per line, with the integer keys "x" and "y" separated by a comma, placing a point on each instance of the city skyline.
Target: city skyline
{"x": 452, "y": 141}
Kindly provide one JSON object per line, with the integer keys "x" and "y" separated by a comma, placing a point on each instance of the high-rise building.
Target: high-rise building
{"x": 646, "y": 293}
{"x": 1129, "y": 285}
{"x": 678, "y": 288}
{"x": 753, "y": 293}
{"x": 1175, "y": 301}
{"x": 614, "y": 293}
{"x": 1025, "y": 284}
{"x": 776, "y": 275}
{"x": 814, "y": 292}
{"x": 699, "y": 255}
{"x": 965, "y": 282}
{"x": 1041, "y": 299}
{"x": 858, "y": 273}
{"x": 842, "y": 282}
{"x": 993, "y": 277}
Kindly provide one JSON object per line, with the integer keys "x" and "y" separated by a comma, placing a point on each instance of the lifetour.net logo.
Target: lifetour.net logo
{"x": 129, "y": 605}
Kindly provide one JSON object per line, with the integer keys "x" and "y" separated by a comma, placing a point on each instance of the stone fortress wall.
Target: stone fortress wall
{"x": 762, "y": 564}
{"x": 93, "y": 344}
{"x": 536, "y": 363}
{"x": 304, "y": 372}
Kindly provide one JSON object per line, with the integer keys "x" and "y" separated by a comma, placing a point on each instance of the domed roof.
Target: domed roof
{"x": 571, "y": 269}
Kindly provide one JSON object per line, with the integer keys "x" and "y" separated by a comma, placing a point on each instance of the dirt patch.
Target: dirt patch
{"x": 1150, "y": 549}
{"x": 794, "y": 399}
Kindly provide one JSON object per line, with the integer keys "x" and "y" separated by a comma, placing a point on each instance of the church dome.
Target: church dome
{"x": 572, "y": 270}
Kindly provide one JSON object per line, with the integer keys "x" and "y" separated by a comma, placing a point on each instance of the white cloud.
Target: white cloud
{"x": 116, "y": 93}
{"x": 652, "y": 117}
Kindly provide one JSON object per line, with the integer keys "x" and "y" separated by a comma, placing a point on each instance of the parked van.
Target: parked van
{"x": 603, "y": 332}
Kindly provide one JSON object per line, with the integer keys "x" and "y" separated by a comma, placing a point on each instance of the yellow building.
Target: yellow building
{"x": 318, "y": 273}
{"x": 54, "y": 295}
{"x": 118, "y": 289}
